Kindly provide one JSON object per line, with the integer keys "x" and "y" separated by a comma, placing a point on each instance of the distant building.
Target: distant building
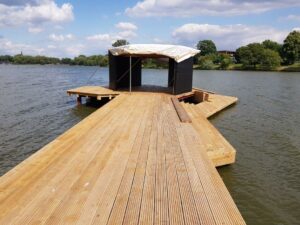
{"x": 230, "y": 53}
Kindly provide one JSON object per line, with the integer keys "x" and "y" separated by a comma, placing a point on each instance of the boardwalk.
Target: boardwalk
{"x": 218, "y": 149}
{"x": 130, "y": 162}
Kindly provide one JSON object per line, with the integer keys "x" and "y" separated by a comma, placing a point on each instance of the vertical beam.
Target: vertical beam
{"x": 183, "y": 76}
{"x": 171, "y": 72}
{"x": 113, "y": 71}
{"x": 130, "y": 73}
{"x": 79, "y": 100}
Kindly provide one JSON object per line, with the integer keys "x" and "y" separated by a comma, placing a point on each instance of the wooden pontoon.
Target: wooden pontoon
{"x": 142, "y": 158}
{"x": 131, "y": 162}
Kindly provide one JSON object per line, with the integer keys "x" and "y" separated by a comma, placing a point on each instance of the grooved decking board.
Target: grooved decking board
{"x": 182, "y": 114}
{"x": 130, "y": 162}
{"x": 219, "y": 150}
{"x": 92, "y": 91}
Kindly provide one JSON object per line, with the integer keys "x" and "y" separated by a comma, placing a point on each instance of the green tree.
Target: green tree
{"x": 206, "y": 47}
{"x": 120, "y": 42}
{"x": 103, "y": 60}
{"x": 225, "y": 61}
{"x": 250, "y": 55}
{"x": 256, "y": 49}
{"x": 272, "y": 45}
{"x": 6, "y": 59}
{"x": 80, "y": 60}
{"x": 270, "y": 59}
{"x": 291, "y": 48}
{"x": 206, "y": 62}
{"x": 67, "y": 61}
{"x": 244, "y": 56}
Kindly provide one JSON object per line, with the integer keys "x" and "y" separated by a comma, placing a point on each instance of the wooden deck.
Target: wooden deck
{"x": 130, "y": 162}
{"x": 219, "y": 150}
{"x": 93, "y": 91}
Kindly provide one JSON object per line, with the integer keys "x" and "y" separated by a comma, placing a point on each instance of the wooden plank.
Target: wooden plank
{"x": 122, "y": 195}
{"x": 161, "y": 212}
{"x": 216, "y": 193}
{"x": 174, "y": 196}
{"x": 183, "y": 116}
{"x": 147, "y": 204}
{"x": 219, "y": 150}
{"x": 102, "y": 210}
{"x": 187, "y": 197}
{"x": 132, "y": 213}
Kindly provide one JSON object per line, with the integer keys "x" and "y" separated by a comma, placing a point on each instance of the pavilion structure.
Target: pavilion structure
{"x": 125, "y": 65}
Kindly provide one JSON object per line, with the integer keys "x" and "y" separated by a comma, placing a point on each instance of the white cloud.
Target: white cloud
{"x": 61, "y": 37}
{"x": 160, "y": 41}
{"x": 58, "y": 27}
{"x": 226, "y": 36}
{"x": 292, "y": 17}
{"x": 127, "y": 34}
{"x": 35, "y": 30}
{"x": 99, "y": 37}
{"x": 12, "y": 48}
{"x": 110, "y": 38}
{"x": 51, "y": 46}
{"x": 44, "y": 11}
{"x": 69, "y": 37}
{"x": 76, "y": 49}
{"x": 185, "y": 8}
{"x": 157, "y": 40}
{"x": 126, "y": 26}
{"x": 19, "y": 2}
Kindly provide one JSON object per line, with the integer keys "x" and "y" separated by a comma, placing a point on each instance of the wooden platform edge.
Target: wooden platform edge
{"x": 182, "y": 114}
{"x": 223, "y": 108}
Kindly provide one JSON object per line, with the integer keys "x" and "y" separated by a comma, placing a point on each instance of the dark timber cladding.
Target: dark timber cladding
{"x": 180, "y": 75}
{"x": 119, "y": 71}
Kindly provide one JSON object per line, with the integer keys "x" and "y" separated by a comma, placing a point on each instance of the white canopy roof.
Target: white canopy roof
{"x": 177, "y": 52}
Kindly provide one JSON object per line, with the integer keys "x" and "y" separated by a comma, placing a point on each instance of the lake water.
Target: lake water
{"x": 264, "y": 127}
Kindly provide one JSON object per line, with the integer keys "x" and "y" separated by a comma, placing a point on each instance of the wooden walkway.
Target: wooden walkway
{"x": 130, "y": 162}
{"x": 219, "y": 150}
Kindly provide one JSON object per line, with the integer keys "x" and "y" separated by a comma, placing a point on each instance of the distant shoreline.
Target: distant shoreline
{"x": 238, "y": 67}
{"x": 234, "y": 67}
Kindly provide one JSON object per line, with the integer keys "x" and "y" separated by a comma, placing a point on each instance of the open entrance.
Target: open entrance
{"x": 126, "y": 63}
{"x": 155, "y": 72}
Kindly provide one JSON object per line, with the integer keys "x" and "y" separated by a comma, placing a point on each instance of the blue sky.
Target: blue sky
{"x": 66, "y": 28}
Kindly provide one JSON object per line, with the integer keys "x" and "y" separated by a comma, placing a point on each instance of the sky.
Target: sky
{"x": 68, "y": 28}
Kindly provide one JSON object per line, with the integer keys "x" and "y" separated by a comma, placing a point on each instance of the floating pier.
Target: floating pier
{"x": 147, "y": 156}
{"x": 133, "y": 161}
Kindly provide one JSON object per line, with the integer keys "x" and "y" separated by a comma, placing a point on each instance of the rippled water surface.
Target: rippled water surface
{"x": 264, "y": 127}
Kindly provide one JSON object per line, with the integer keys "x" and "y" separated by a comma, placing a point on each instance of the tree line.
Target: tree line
{"x": 268, "y": 55}
{"x": 82, "y": 60}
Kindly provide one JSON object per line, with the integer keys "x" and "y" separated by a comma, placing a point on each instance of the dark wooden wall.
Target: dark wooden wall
{"x": 119, "y": 72}
{"x": 180, "y": 75}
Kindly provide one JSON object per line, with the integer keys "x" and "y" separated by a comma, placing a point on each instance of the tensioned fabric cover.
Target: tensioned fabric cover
{"x": 177, "y": 52}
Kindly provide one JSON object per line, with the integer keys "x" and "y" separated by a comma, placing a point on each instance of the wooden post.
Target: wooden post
{"x": 78, "y": 100}
{"x": 130, "y": 74}
{"x": 206, "y": 95}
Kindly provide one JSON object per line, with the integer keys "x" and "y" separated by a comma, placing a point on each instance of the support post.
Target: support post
{"x": 130, "y": 74}
{"x": 79, "y": 100}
